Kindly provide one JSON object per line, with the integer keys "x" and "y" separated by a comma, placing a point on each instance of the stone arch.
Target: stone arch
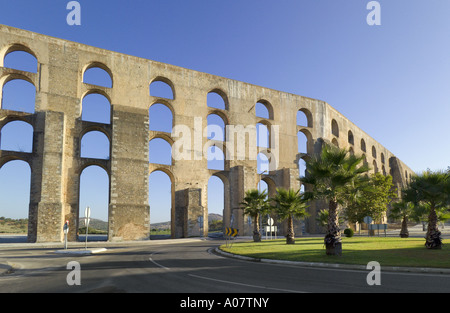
{"x": 21, "y": 131}
{"x": 96, "y": 107}
{"x": 216, "y": 158}
{"x": 375, "y": 166}
{"x": 263, "y": 134}
{"x": 335, "y": 142}
{"x": 351, "y": 138}
{"x": 161, "y": 117}
{"x": 20, "y": 88}
{"x": 20, "y": 57}
{"x": 217, "y": 98}
{"x": 160, "y": 195}
{"x": 363, "y": 145}
{"x": 374, "y": 152}
{"x": 334, "y": 128}
{"x": 94, "y": 191}
{"x": 267, "y": 113}
{"x": 94, "y": 144}
{"x": 15, "y": 196}
{"x": 164, "y": 88}
{"x": 216, "y": 124}
{"x": 98, "y": 74}
{"x": 17, "y": 47}
{"x": 305, "y": 114}
{"x": 160, "y": 151}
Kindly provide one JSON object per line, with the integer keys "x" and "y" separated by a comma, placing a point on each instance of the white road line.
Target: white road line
{"x": 246, "y": 285}
{"x": 156, "y": 263}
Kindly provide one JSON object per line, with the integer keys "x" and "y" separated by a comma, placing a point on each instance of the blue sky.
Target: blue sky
{"x": 391, "y": 80}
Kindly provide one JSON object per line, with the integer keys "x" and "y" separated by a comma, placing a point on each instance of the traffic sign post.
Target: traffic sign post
{"x": 87, "y": 216}
{"x": 229, "y": 234}
{"x": 368, "y": 220}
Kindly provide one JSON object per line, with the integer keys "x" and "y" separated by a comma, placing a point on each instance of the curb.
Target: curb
{"x": 80, "y": 251}
{"x": 403, "y": 269}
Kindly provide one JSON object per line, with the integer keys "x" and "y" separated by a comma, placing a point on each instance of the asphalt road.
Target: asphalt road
{"x": 189, "y": 266}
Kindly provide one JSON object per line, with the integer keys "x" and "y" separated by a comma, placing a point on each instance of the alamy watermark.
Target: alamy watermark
{"x": 74, "y": 276}
{"x": 374, "y": 16}
{"x": 374, "y": 277}
{"x": 74, "y": 16}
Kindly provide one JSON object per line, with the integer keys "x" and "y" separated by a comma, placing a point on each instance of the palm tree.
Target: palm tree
{"x": 402, "y": 210}
{"x": 333, "y": 175}
{"x": 255, "y": 204}
{"x": 430, "y": 188}
{"x": 290, "y": 204}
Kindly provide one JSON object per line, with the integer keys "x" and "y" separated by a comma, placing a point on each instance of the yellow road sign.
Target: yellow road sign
{"x": 232, "y": 232}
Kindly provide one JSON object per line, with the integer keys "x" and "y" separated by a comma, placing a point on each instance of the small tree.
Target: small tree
{"x": 290, "y": 204}
{"x": 255, "y": 204}
{"x": 333, "y": 175}
{"x": 402, "y": 210}
{"x": 432, "y": 188}
{"x": 371, "y": 198}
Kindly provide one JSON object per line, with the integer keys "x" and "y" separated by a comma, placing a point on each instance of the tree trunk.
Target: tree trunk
{"x": 290, "y": 237}
{"x": 433, "y": 237}
{"x": 333, "y": 240}
{"x": 256, "y": 234}
{"x": 404, "y": 233}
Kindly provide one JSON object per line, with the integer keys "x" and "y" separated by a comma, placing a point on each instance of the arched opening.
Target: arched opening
{"x": 262, "y": 164}
{"x": 263, "y": 109}
{"x": 374, "y": 152}
{"x": 382, "y": 158}
{"x": 262, "y": 135}
{"x": 302, "y": 167}
{"x": 15, "y": 181}
{"x": 95, "y": 144}
{"x": 19, "y": 95}
{"x": 215, "y": 127}
{"x": 302, "y": 142}
{"x": 375, "y": 167}
{"x": 216, "y": 204}
{"x": 98, "y": 75}
{"x": 363, "y": 145}
{"x": 334, "y": 128}
{"x": 304, "y": 118}
{"x": 160, "y": 195}
{"x": 17, "y": 136}
{"x": 351, "y": 139}
{"x": 96, "y": 108}
{"x": 215, "y": 158}
{"x": 160, "y": 118}
{"x": 162, "y": 88}
{"x": 335, "y": 142}
{"x": 160, "y": 151}
{"x": 94, "y": 193}
{"x": 21, "y": 60}
{"x": 216, "y": 99}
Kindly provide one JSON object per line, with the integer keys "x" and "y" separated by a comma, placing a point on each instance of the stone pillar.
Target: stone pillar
{"x": 46, "y": 207}
{"x": 129, "y": 213}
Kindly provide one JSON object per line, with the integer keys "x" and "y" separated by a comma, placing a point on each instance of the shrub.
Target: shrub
{"x": 348, "y": 232}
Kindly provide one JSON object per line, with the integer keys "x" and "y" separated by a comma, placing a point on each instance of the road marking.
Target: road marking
{"x": 246, "y": 285}
{"x": 156, "y": 263}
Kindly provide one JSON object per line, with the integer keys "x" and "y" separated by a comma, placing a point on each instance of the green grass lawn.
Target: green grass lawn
{"x": 388, "y": 251}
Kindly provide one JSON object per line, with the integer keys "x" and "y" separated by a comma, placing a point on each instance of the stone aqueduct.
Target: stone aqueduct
{"x": 56, "y": 163}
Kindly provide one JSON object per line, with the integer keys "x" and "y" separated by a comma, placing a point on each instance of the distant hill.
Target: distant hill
{"x": 166, "y": 225}
{"x": 95, "y": 223}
